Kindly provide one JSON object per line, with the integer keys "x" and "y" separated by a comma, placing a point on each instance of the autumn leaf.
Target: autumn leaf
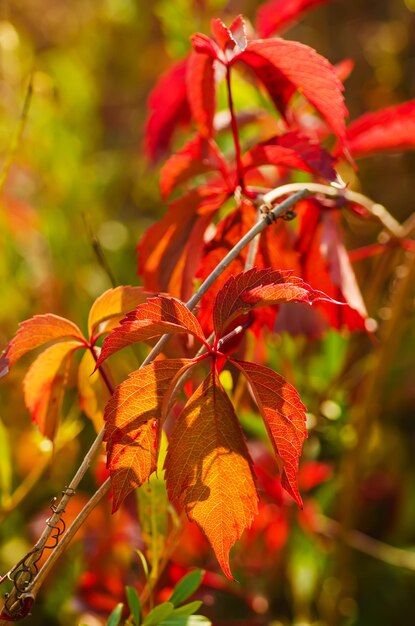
{"x": 199, "y": 155}
{"x": 257, "y": 288}
{"x": 275, "y": 250}
{"x": 293, "y": 150}
{"x": 44, "y": 383}
{"x": 326, "y": 266}
{"x": 114, "y": 304}
{"x": 229, "y": 38}
{"x": 133, "y": 419}
{"x": 35, "y": 332}
{"x": 155, "y": 317}
{"x": 277, "y": 15}
{"x": 169, "y": 108}
{"x": 285, "y": 66}
{"x": 208, "y": 469}
{"x": 387, "y": 130}
{"x": 284, "y": 417}
{"x": 201, "y": 91}
{"x": 170, "y": 250}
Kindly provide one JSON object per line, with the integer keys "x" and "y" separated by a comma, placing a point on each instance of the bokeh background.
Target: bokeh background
{"x": 78, "y": 172}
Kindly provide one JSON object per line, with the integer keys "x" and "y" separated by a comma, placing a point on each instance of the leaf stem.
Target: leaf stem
{"x": 235, "y": 134}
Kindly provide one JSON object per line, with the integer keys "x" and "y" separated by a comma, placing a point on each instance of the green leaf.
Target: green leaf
{"x": 153, "y": 515}
{"x": 158, "y": 614}
{"x": 188, "y": 609}
{"x": 134, "y": 604}
{"x": 186, "y": 587}
{"x": 143, "y": 563}
{"x": 115, "y": 617}
{"x": 192, "y": 620}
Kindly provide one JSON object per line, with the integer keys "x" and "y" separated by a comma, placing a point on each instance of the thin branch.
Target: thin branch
{"x": 98, "y": 251}
{"x": 67, "y": 537}
{"x": 253, "y": 247}
{"x": 377, "y": 210}
{"x": 368, "y": 545}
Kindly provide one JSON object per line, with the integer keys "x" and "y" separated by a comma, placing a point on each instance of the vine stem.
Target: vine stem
{"x": 258, "y": 228}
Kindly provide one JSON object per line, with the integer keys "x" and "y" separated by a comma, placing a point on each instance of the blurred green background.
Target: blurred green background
{"x": 79, "y": 168}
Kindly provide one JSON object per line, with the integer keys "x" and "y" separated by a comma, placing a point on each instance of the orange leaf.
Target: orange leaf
{"x": 35, "y": 332}
{"x": 208, "y": 469}
{"x": 93, "y": 393}
{"x": 133, "y": 419}
{"x": 44, "y": 383}
{"x": 284, "y": 417}
{"x": 153, "y": 318}
{"x": 114, "y": 303}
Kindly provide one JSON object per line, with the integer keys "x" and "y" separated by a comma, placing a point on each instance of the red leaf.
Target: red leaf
{"x": 293, "y": 150}
{"x": 155, "y": 317}
{"x": 277, "y": 15}
{"x": 238, "y": 30}
{"x": 36, "y": 332}
{"x": 229, "y": 38}
{"x": 114, "y": 304}
{"x": 44, "y": 384}
{"x": 326, "y": 266}
{"x": 275, "y": 250}
{"x": 170, "y": 249}
{"x": 284, "y": 417}
{"x": 208, "y": 469}
{"x": 168, "y": 107}
{"x": 389, "y": 129}
{"x": 198, "y": 156}
{"x": 256, "y": 288}
{"x": 299, "y": 67}
{"x": 133, "y": 422}
{"x": 201, "y": 91}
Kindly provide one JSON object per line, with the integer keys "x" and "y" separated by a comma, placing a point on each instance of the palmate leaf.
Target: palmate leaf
{"x": 208, "y": 469}
{"x": 44, "y": 383}
{"x": 153, "y": 318}
{"x": 133, "y": 419}
{"x": 276, "y": 15}
{"x": 284, "y": 417}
